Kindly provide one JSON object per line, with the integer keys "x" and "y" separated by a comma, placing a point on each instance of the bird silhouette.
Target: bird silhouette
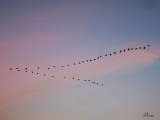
{"x": 144, "y": 48}
{"x": 44, "y": 74}
{"x": 105, "y": 54}
{"x": 48, "y": 68}
{"x": 114, "y": 52}
{"x": 78, "y": 79}
{"x": 100, "y": 56}
{"x": 136, "y": 48}
{"x": 124, "y": 50}
{"x": 110, "y": 54}
{"x": 89, "y": 80}
{"x": 26, "y": 68}
{"x": 79, "y": 62}
{"x": 74, "y": 63}
{"x": 128, "y": 49}
{"x": 37, "y": 73}
{"x": 120, "y": 51}
{"x": 131, "y": 48}
{"x": 68, "y": 65}
{"x": 73, "y": 78}
{"x": 97, "y": 57}
{"x": 149, "y": 45}
{"x": 140, "y": 47}
{"x": 25, "y": 71}
{"x": 82, "y": 61}
{"x": 90, "y": 60}
{"x": 61, "y": 66}
{"x": 97, "y": 83}
{"x": 54, "y": 66}
{"x": 10, "y": 69}
{"x": 84, "y": 80}
{"x": 38, "y": 67}
{"x": 94, "y": 59}
{"x": 32, "y": 71}
{"x": 87, "y": 60}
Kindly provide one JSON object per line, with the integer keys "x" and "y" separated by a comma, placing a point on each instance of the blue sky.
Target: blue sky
{"x": 46, "y": 33}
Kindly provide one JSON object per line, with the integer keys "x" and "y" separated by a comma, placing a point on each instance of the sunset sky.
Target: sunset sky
{"x": 47, "y": 33}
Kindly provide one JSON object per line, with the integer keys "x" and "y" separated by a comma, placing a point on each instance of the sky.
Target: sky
{"x": 47, "y": 33}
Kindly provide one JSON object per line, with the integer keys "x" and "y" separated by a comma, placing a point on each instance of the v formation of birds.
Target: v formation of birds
{"x": 78, "y": 63}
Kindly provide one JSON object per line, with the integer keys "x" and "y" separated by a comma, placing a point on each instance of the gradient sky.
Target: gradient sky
{"x": 57, "y": 32}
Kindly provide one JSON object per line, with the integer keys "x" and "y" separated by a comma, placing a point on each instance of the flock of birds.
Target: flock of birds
{"x": 78, "y": 63}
